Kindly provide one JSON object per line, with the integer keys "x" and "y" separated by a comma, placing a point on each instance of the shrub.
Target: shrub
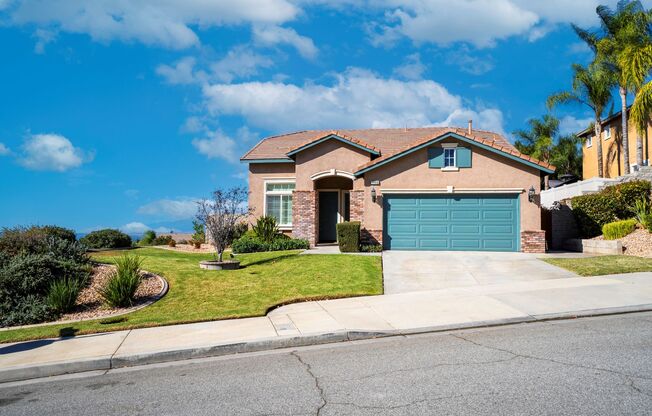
{"x": 182, "y": 241}
{"x": 647, "y": 222}
{"x": 618, "y": 229}
{"x": 240, "y": 230}
{"x": 641, "y": 209}
{"x": 172, "y": 243}
{"x": 121, "y": 287}
{"x": 30, "y": 310}
{"x": 148, "y": 238}
{"x": 58, "y": 232}
{"x": 289, "y": 244}
{"x": 611, "y": 204}
{"x": 348, "y": 236}
{"x": 266, "y": 229}
{"x": 371, "y": 248}
{"x": 107, "y": 238}
{"x": 247, "y": 244}
{"x": 63, "y": 293}
{"x": 199, "y": 232}
{"x": 197, "y": 244}
{"x": 162, "y": 240}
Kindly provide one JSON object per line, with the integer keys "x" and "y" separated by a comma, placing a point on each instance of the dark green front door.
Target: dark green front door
{"x": 328, "y": 201}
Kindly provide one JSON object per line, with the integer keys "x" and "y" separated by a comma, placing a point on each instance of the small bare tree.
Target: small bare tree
{"x": 221, "y": 214}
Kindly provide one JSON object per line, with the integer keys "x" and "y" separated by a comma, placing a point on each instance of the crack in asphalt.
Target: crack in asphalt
{"x": 318, "y": 386}
{"x": 628, "y": 377}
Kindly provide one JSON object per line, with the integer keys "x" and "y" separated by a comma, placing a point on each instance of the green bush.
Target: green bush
{"x": 641, "y": 209}
{"x": 162, "y": 240}
{"x": 121, "y": 287}
{"x": 371, "y": 248}
{"x": 611, "y": 204}
{"x": 58, "y": 232}
{"x": 647, "y": 222}
{"x": 252, "y": 244}
{"x": 63, "y": 294}
{"x": 107, "y": 238}
{"x": 348, "y": 236}
{"x": 199, "y": 232}
{"x": 618, "y": 229}
{"x": 148, "y": 238}
{"x": 266, "y": 229}
{"x": 240, "y": 229}
{"x": 32, "y": 239}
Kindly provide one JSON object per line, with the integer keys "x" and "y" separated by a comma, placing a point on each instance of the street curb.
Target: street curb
{"x": 26, "y": 372}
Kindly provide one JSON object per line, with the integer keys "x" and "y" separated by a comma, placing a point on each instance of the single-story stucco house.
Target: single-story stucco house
{"x": 434, "y": 188}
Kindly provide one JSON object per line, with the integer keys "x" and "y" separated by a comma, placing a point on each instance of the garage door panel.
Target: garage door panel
{"x": 433, "y": 229}
{"x": 446, "y": 222}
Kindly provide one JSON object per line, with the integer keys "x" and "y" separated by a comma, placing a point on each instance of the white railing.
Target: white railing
{"x": 550, "y": 196}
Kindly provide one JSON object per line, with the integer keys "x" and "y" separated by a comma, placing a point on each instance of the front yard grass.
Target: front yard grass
{"x": 602, "y": 265}
{"x": 265, "y": 280}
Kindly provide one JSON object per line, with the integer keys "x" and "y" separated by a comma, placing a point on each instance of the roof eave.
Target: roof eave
{"x": 459, "y": 137}
{"x": 268, "y": 160}
{"x": 328, "y": 137}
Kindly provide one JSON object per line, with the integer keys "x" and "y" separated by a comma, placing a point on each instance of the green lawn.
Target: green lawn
{"x": 265, "y": 280}
{"x": 601, "y": 265}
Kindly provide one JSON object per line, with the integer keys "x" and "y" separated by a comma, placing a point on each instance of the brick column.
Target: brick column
{"x": 304, "y": 215}
{"x": 533, "y": 241}
{"x": 357, "y": 205}
{"x": 357, "y": 214}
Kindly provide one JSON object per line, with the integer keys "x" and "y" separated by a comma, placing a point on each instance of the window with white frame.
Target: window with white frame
{"x": 607, "y": 133}
{"x": 589, "y": 141}
{"x": 278, "y": 202}
{"x": 449, "y": 157}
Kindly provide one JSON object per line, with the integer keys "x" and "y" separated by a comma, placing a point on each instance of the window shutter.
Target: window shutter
{"x": 463, "y": 157}
{"x": 435, "y": 157}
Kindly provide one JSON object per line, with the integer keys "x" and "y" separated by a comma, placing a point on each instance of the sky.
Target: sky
{"x": 123, "y": 113}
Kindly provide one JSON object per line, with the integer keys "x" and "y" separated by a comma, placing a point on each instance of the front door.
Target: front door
{"x": 328, "y": 206}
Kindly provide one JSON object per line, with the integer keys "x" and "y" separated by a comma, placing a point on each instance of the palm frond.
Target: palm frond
{"x": 642, "y": 107}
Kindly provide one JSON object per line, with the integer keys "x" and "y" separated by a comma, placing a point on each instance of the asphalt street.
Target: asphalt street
{"x": 589, "y": 366}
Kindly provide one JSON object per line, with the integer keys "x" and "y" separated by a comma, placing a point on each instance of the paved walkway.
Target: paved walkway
{"x": 332, "y": 321}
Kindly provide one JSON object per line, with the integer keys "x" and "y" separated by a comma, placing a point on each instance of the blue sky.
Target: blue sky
{"x": 122, "y": 113}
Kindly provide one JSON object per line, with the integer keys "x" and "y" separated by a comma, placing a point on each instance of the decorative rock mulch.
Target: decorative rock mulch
{"x": 638, "y": 243}
{"x": 187, "y": 248}
{"x": 89, "y": 301}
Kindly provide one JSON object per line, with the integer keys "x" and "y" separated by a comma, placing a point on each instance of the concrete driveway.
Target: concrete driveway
{"x": 413, "y": 271}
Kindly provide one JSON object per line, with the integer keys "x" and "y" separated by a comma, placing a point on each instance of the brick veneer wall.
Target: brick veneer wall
{"x": 304, "y": 215}
{"x": 356, "y": 205}
{"x": 371, "y": 236}
{"x": 533, "y": 241}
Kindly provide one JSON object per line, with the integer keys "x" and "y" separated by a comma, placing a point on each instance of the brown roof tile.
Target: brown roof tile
{"x": 386, "y": 141}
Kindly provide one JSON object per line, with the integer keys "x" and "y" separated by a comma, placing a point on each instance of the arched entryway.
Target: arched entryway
{"x": 333, "y": 202}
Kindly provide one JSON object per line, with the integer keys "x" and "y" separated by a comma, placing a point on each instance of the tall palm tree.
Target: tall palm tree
{"x": 591, "y": 87}
{"x": 621, "y": 28}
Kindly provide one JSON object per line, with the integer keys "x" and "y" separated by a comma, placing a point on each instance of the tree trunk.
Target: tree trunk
{"x": 623, "y": 100}
{"x": 219, "y": 255}
{"x": 598, "y": 133}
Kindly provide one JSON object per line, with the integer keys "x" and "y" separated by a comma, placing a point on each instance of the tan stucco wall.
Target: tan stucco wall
{"x": 612, "y": 156}
{"x": 331, "y": 154}
{"x": 258, "y": 173}
{"x": 488, "y": 170}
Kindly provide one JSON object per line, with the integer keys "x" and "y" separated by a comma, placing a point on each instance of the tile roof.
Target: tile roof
{"x": 388, "y": 142}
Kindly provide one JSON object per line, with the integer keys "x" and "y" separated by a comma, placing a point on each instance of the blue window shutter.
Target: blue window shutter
{"x": 463, "y": 157}
{"x": 435, "y": 157}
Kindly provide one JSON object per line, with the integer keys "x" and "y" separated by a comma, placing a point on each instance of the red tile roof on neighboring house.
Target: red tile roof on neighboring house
{"x": 389, "y": 142}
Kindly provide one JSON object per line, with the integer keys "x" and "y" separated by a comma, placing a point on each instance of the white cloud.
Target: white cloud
{"x": 134, "y": 228}
{"x": 51, "y": 152}
{"x": 570, "y": 124}
{"x": 474, "y": 65}
{"x": 217, "y": 145}
{"x": 357, "y": 98}
{"x": 478, "y": 22}
{"x": 4, "y": 150}
{"x": 274, "y": 35}
{"x": 167, "y": 23}
{"x": 239, "y": 62}
{"x": 181, "y": 208}
{"x": 180, "y": 73}
{"x": 412, "y": 69}
{"x": 43, "y": 37}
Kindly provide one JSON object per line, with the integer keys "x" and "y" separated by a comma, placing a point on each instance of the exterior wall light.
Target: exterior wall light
{"x": 373, "y": 194}
{"x": 531, "y": 193}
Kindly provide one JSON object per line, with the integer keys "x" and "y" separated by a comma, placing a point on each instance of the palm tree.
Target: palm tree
{"x": 538, "y": 141}
{"x": 591, "y": 87}
{"x": 636, "y": 63}
{"x": 541, "y": 140}
{"x": 621, "y": 28}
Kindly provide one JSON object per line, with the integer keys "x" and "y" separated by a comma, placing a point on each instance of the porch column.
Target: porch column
{"x": 305, "y": 211}
{"x": 367, "y": 236}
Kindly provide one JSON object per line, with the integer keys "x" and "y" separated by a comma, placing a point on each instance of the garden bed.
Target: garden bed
{"x": 187, "y": 248}
{"x": 638, "y": 243}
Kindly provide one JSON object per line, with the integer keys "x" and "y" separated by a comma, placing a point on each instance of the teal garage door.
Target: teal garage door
{"x": 446, "y": 222}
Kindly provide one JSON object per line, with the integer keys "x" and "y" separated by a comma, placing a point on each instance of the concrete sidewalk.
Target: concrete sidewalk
{"x": 332, "y": 321}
